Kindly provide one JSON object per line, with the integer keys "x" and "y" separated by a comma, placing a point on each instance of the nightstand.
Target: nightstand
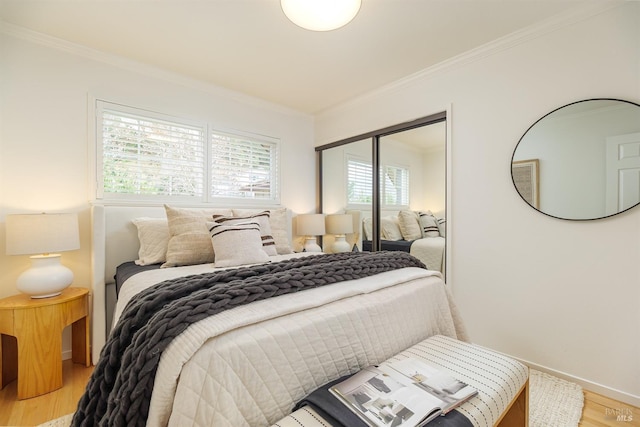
{"x": 31, "y": 340}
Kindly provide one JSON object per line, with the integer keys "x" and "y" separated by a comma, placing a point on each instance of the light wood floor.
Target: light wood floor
{"x": 599, "y": 411}
{"x": 34, "y": 411}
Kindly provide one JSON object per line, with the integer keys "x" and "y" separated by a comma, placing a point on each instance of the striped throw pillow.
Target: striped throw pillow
{"x": 237, "y": 244}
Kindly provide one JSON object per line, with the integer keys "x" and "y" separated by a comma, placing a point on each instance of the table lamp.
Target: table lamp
{"x": 42, "y": 235}
{"x": 310, "y": 226}
{"x": 339, "y": 225}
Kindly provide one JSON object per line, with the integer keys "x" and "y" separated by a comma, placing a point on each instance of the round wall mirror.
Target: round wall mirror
{"x": 581, "y": 161}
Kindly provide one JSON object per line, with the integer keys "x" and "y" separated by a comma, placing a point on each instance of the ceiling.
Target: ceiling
{"x": 249, "y": 46}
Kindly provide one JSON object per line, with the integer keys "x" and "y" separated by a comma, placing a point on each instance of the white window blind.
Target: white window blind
{"x": 394, "y": 184}
{"x": 144, "y": 155}
{"x": 147, "y": 155}
{"x": 243, "y": 167}
{"x": 359, "y": 182}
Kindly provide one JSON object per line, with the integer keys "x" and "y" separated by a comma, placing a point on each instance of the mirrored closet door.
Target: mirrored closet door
{"x": 393, "y": 183}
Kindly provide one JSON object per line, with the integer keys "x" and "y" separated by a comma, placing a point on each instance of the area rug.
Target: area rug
{"x": 553, "y": 402}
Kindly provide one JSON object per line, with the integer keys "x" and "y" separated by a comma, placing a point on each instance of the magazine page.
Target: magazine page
{"x": 382, "y": 401}
{"x": 438, "y": 383}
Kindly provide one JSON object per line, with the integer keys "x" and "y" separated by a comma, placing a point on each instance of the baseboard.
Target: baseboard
{"x": 66, "y": 354}
{"x": 609, "y": 392}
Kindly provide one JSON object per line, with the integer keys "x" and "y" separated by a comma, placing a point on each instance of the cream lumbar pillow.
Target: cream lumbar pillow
{"x": 390, "y": 226}
{"x": 189, "y": 239}
{"x": 409, "y": 225}
{"x": 153, "y": 235}
{"x": 262, "y": 218}
{"x": 237, "y": 244}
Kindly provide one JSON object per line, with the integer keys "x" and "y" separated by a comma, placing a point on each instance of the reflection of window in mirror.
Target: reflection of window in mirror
{"x": 421, "y": 152}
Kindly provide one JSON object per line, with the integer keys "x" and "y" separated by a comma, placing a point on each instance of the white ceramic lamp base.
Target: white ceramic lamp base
{"x": 47, "y": 277}
{"x": 311, "y": 245}
{"x": 340, "y": 244}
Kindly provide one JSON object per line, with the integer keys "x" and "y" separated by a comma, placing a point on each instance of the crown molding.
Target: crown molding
{"x": 28, "y": 35}
{"x": 509, "y": 41}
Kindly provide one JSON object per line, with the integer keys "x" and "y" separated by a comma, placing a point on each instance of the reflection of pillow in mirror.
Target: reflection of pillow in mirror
{"x": 390, "y": 226}
{"x": 409, "y": 225}
{"x": 262, "y": 218}
{"x": 153, "y": 235}
{"x": 429, "y": 224}
{"x": 237, "y": 244}
{"x": 189, "y": 239}
{"x": 368, "y": 228}
{"x": 442, "y": 226}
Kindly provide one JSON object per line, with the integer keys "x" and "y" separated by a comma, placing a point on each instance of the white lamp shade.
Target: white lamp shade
{"x": 43, "y": 234}
{"x": 320, "y": 15}
{"x": 339, "y": 224}
{"x": 29, "y": 234}
{"x": 310, "y": 224}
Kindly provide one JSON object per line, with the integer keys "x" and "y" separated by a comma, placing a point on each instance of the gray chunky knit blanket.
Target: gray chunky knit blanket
{"x": 119, "y": 390}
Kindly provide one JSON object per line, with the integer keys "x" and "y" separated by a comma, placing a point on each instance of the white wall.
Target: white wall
{"x": 561, "y": 295}
{"x": 44, "y": 136}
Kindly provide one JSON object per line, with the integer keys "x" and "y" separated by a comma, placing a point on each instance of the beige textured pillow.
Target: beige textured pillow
{"x": 189, "y": 239}
{"x": 237, "y": 244}
{"x": 409, "y": 225}
{"x": 153, "y": 235}
{"x": 279, "y": 220}
{"x": 263, "y": 221}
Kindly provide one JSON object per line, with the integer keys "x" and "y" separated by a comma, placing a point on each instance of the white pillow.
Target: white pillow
{"x": 390, "y": 226}
{"x": 429, "y": 224}
{"x": 263, "y": 220}
{"x": 237, "y": 244}
{"x": 409, "y": 225}
{"x": 153, "y": 235}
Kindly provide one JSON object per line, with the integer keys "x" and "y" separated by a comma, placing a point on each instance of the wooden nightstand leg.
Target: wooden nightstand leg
{"x": 9, "y": 361}
{"x": 39, "y": 351}
{"x": 80, "y": 342}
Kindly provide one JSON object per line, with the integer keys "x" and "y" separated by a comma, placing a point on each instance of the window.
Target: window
{"x": 146, "y": 155}
{"x": 359, "y": 182}
{"x": 243, "y": 167}
{"x": 394, "y": 184}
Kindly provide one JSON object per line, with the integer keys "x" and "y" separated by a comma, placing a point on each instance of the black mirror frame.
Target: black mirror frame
{"x": 533, "y": 125}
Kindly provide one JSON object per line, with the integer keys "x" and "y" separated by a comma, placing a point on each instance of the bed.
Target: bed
{"x": 326, "y": 316}
{"x": 420, "y": 233}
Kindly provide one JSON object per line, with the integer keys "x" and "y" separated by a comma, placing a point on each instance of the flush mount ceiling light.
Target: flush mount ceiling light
{"x": 320, "y": 15}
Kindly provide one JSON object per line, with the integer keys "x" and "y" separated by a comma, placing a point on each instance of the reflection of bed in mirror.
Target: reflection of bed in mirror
{"x": 421, "y": 233}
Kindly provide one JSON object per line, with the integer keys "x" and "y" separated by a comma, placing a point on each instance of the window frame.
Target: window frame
{"x": 207, "y": 199}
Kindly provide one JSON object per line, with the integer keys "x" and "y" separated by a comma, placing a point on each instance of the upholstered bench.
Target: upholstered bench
{"x": 502, "y": 384}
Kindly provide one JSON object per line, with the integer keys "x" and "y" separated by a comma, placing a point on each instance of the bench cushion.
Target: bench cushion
{"x": 499, "y": 380}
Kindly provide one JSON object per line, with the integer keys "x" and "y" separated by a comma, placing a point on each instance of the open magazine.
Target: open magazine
{"x": 406, "y": 393}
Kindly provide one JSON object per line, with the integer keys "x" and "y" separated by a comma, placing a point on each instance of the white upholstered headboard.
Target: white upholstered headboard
{"x": 114, "y": 241}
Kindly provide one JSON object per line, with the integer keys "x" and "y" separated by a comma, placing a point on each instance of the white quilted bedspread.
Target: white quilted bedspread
{"x": 429, "y": 250}
{"x": 249, "y": 365}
